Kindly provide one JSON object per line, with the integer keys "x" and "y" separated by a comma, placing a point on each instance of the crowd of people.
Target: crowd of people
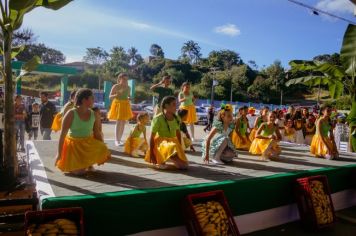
{"x": 81, "y": 142}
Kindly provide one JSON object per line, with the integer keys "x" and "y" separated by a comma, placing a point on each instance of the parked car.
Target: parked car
{"x": 202, "y": 116}
{"x": 136, "y": 110}
{"x": 150, "y": 111}
{"x": 103, "y": 112}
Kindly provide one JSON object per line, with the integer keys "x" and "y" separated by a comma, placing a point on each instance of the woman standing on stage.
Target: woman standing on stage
{"x": 323, "y": 143}
{"x": 186, "y": 99}
{"x": 120, "y": 109}
{"x": 83, "y": 146}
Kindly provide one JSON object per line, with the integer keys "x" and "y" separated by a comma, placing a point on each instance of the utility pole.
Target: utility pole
{"x": 213, "y": 84}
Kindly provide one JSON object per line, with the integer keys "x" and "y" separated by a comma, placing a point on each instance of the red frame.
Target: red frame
{"x": 304, "y": 201}
{"x": 191, "y": 219}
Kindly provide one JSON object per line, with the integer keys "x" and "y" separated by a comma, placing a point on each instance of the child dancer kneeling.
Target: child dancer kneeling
{"x": 82, "y": 147}
{"x": 220, "y": 148}
{"x": 165, "y": 138}
{"x": 267, "y": 138}
{"x": 135, "y": 145}
{"x": 240, "y": 137}
{"x": 185, "y": 137}
{"x": 323, "y": 143}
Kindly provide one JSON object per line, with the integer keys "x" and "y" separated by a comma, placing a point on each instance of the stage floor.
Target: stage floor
{"x": 126, "y": 173}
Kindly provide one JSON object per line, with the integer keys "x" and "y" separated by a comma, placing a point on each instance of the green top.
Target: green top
{"x": 162, "y": 92}
{"x": 259, "y": 121}
{"x": 268, "y": 131}
{"x": 80, "y": 128}
{"x": 136, "y": 132}
{"x": 188, "y": 98}
{"x": 243, "y": 127}
{"x": 325, "y": 128}
{"x": 163, "y": 127}
{"x": 125, "y": 94}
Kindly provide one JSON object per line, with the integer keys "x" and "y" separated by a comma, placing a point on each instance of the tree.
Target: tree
{"x": 191, "y": 50}
{"x": 95, "y": 56}
{"x": 134, "y": 57}
{"x": 118, "y": 61}
{"x": 336, "y": 77}
{"x": 46, "y": 54}
{"x": 24, "y": 37}
{"x": 156, "y": 51}
{"x": 224, "y": 59}
{"x": 12, "y": 14}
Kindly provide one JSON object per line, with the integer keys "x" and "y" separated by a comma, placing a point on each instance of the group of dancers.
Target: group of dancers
{"x": 81, "y": 143}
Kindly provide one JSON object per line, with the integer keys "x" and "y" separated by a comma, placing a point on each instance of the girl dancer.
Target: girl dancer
{"x": 266, "y": 139}
{"x": 57, "y": 121}
{"x": 289, "y": 132}
{"x": 165, "y": 138}
{"x": 186, "y": 99}
{"x": 120, "y": 109}
{"x": 186, "y": 140}
{"x": 309, "y": 130}
{"x": 240, "y": 136}
{"x": 82, "y": 147}
{"x": 323, "y": 143}
{"x": 299, "y": 126}
{"x": 220, "y": 147}
{"x": 262, "y": 118}
{"x": 135, "y": 145}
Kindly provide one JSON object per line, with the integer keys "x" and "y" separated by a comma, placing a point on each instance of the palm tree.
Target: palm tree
{"x": 191, "y": 50}
{"x": 156, "y": 51}
{"x": 11, "y": 19}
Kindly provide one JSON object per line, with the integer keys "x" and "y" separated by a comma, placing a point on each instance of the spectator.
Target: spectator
{"x": 211, "y": 114}
{"x": 47, "y": 112}
{"x": 20, "y": 115}
{"x": 163, "y": 90}
{"x": 33, "y": 121}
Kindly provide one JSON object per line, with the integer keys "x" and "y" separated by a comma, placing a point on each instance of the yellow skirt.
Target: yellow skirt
{"x": 252, "y": 134}
{"x": 164, "y": 149}
{"x": 192, "y": 114}
{"x": 120, "y": 110}
{"x": 318, "y": 148}
{"x": 133, "y": 144}
{"x": 81, "y": 153}
{"x": 57, "y": 122}
{"x": 242, "y": 144}
{"x": 259, "y": 146}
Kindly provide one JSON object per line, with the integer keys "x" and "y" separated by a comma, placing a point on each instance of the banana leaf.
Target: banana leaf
{"x": 348, "y": 50}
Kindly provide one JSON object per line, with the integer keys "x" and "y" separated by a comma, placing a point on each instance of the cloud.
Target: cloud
{"x": 228, "y": 29}
{"x": 336, "y": 6}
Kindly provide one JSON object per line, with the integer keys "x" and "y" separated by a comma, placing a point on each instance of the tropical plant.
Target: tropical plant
{"x": 11, "y": 19}
{"x": 156, "y": 51}
{"x": 95, "y": 56}
{"x": 336, "y": 77}
{"x": 191, "y": 50}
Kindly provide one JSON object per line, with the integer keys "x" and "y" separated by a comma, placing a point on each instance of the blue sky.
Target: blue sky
{"x": 260, "y": 30}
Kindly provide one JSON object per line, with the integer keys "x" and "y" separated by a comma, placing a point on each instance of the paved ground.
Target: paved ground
{"x": 123, "y": 172}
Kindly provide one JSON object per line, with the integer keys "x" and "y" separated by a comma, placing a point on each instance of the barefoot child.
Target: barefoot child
{"x": 323, "y": 143}
{"x": 135, "y": 145}
{"x": 240, "y": 136}
{"x": 165, "y": 138}
{"x": 186, "y": 140}
{"x": 218, "y": 144}
{"x": 267, "y": 138}
{"x": 82, "y": 147}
